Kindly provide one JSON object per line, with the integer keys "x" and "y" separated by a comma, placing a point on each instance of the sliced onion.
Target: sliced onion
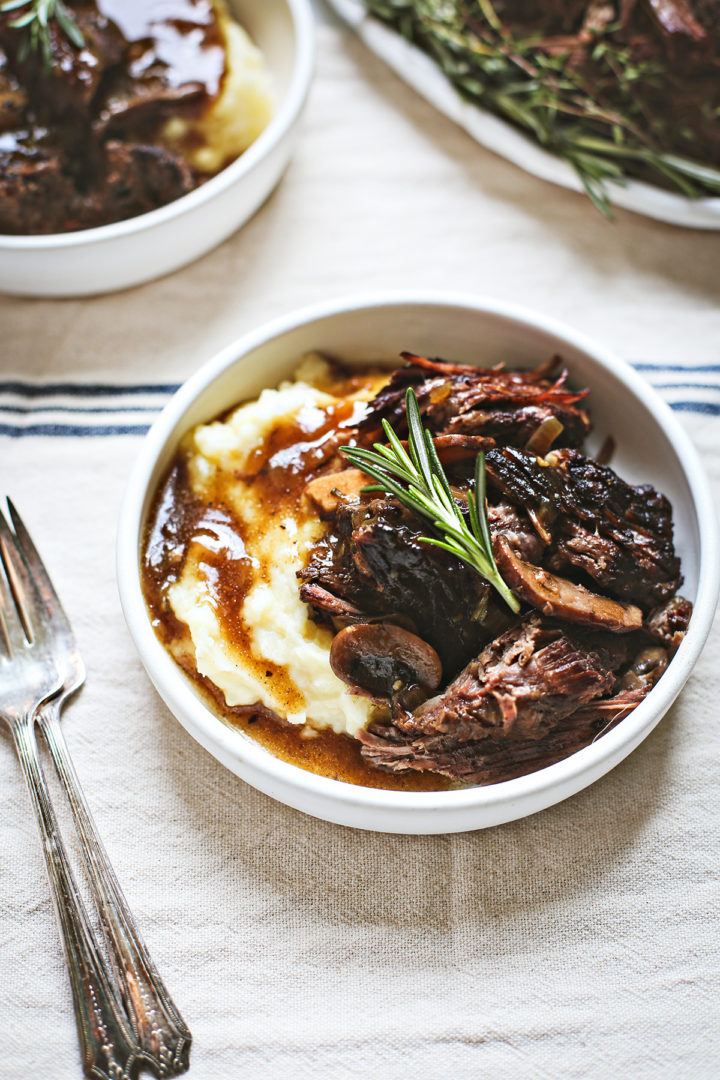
{"x": 544, "y": 436}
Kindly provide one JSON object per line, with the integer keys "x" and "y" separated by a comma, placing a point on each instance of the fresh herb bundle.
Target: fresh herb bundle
{"x": 417, "y": 480}
{"x": 35, "y": 21}
{"x": 603, "y": 115}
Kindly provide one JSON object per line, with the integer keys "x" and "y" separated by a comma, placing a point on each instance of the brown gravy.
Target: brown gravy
{"x": 182, "y": 35}
{"x": 279, "y": 470}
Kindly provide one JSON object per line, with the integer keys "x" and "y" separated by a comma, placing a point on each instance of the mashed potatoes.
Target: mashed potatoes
{"x": 241, "y": 111}
{"x": 283, "y": 660}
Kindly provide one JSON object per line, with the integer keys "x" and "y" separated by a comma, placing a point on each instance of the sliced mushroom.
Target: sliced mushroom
{"x": 381, "y": 660}
{"x": 645, "y": 670}
{"x": 563, "y": 599}
{"x": 326, "y": 492}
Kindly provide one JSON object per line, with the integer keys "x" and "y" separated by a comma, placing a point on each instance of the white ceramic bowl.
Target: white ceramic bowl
{"x": 144, "y": 247}
{"x": 651, "y": 446}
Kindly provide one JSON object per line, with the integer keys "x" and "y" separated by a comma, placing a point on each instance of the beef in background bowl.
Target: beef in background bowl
{"x": 150, "y": 101}
{"x": 93, "y": 258}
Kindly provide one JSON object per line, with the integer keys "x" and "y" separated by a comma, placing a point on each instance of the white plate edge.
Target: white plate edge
{"x": 417, "y": 69}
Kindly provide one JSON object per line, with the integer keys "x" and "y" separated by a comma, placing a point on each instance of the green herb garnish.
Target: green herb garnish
{"x": 607, "y": 129}
{"x": 35, "y": 22}
{"x": 418, "y": 481}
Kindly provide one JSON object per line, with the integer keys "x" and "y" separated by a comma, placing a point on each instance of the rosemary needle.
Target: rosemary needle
{"x": 417, "y": 480}
{"x": 603, "y": 119}
{"x": 35, "y": 21}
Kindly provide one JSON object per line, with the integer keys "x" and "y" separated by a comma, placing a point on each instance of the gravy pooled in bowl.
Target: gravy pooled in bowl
{"x": 504, "y": 619}
{"x": 228, "y": 532}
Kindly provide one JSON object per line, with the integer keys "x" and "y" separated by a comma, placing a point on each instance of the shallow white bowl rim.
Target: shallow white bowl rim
{"x": 281, "y": 122}
{"x": 571, "y": 770}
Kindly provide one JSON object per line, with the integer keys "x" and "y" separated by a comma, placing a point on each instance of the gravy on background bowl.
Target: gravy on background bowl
{"x": 316, "y": 617}
{"x": 117, "y": 107}
{"x": 145, "y": 169}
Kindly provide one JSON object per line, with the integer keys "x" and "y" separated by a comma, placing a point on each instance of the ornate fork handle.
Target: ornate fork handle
{"x": 163, "y": 1036}
{"x": 109, "y": 1048}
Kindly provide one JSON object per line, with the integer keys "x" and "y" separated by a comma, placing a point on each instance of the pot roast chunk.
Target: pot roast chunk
{"x": 139, "y": 177}
{"x": 82, "y": 137}
{"x": 36, "y": 191}
{"x": 373, "y": 559}
{"x": 523, "y": 682}
{"x": 64, "y": 90}
{"x": 520, "y": 688}
{"x": 622, "y": 536}
{"x": 513, "y": 524}
{"x": 459, "y": 399}
{"x": 668, "y": 623}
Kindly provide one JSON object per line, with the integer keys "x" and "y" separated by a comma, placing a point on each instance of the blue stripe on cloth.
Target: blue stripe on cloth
{"x": 710, "y": 408}
{"x": 73, "y": 430}
{"x": 27, "y": 410}
{"x": 71, "y": 389}
{"x": 677, "y": 367}
{"x": 686, "y": 386}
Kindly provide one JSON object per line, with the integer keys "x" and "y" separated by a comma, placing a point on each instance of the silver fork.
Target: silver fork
{"x": 161, "y": 1035}
{"x": 28, "y": 677}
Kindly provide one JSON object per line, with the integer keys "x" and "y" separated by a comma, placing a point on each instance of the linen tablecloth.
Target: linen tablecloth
{"x": 580, "y": 943}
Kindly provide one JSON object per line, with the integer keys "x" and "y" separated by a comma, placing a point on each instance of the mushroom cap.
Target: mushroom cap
{"x": 380, "y": 660}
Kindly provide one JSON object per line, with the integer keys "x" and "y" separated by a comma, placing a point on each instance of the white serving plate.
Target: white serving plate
{"x": 651, "y": 446}
{"x": 418, "y": 70}
{"x": 141, "y": 248}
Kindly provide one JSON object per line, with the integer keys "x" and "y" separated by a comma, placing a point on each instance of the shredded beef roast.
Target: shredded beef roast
{"x": 668, "y": 623}
{"x": 507, "y": 520}
{"x": 554, "y": 709}
{"x": 491, "y": 761}
{"x": 620, "y": 535}
{"x": 520, "y": 688}
{"x": 520, "y": 692}
{"x": 458, "y": 399}
{"x": 524, "y": 682}
{"x": 372, "y": 557}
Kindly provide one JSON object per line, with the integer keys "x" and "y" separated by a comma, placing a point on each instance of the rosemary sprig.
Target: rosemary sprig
{"x": 608, "y": 129}
{"x": 35, "y": 22}
{"x": 418, "y": 481}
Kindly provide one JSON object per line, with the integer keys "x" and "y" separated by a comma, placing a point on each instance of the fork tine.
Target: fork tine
{"x": 28, "y": 598}
{"x": 14, "y": 633}
{"x": 29, "y": 555}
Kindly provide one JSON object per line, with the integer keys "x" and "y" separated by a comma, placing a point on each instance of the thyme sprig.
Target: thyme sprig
{"x": 608, "y": 129}
{"x": 417, "y": 480}
{"x": 35, "y": 21}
